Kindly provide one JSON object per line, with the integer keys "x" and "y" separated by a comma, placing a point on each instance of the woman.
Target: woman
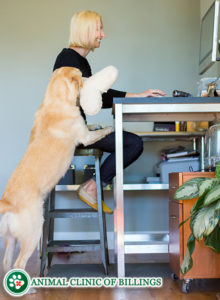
{"x": 86, "y": 33}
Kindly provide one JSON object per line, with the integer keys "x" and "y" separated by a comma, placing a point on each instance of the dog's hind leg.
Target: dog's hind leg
{"x": 10, "y": 243}
{"x": 28, "y": 243}
{"x": 27, "y": 248}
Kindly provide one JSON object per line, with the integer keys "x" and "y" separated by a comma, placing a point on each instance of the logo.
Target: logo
{"x": 16, "y": 282}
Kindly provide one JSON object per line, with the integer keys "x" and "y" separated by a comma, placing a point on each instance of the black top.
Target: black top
{"x": 70, "y": 58}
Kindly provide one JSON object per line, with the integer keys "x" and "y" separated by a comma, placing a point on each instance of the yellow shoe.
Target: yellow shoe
{"x": 92, "y": 202}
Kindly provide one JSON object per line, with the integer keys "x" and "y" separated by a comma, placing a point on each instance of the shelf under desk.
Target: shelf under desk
{"x": 170, "y": 134}
{"x": 126, "y": 187}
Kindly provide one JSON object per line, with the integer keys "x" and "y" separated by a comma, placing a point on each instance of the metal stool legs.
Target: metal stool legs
{"x": 49, "y": 245}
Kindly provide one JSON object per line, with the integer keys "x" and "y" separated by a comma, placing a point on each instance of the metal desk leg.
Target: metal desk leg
{"x": 194, "y": 144}
{"x": 115, "y": 222}
{"x": 202, "y": 154}
{"x": 119, "y": 194}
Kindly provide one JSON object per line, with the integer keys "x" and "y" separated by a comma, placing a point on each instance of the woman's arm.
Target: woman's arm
{"x": 107, "y": 98}
{"x": 147, "y": 93}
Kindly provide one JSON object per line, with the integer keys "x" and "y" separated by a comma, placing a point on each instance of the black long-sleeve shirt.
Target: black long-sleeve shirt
{"x": 70, "y": 58}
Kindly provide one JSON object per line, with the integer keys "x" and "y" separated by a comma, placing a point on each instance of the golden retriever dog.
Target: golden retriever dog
{"x": 58, "y": 129}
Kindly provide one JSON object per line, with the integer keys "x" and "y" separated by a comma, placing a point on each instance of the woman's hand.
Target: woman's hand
{"x": 147, "y": 93}
{"x": 152, "y": 93}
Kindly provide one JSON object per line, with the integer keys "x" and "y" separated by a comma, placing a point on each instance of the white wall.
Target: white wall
{"x": 153, "y": 43}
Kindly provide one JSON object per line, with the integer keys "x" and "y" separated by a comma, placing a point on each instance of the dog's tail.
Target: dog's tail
{"x": 5, "y": 206}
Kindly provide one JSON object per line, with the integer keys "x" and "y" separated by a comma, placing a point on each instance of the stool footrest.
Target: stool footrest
{"x": 88, "y": 152}
{"x": 73, "y": 245}
{"x": 74, "y": 187}
{"x": 73, "y": 213}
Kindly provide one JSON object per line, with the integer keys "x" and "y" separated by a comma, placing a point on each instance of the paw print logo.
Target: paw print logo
{"x": 17, "y": 282}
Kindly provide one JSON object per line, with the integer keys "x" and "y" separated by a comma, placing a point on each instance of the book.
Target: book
{"x": 182, "y": 159}
{"x": 182, "y": 153}
{"x": 170, "y": 150}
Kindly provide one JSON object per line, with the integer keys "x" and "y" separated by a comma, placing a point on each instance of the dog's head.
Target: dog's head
{"x": 65, "y": 85}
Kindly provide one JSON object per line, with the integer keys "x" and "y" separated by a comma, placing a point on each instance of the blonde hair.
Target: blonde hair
{"x": 83, "y": 28}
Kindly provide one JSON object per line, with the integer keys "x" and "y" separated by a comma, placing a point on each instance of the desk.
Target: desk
{"x": 150, "y": 109}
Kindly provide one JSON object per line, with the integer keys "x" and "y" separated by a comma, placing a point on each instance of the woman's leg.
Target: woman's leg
{"x": 132, "y": 149}
{"x": 132, "y": 146}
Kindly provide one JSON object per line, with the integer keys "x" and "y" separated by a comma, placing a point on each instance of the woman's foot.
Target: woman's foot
{"x": 87, "y": 192}
{"x": 90, "y": 187}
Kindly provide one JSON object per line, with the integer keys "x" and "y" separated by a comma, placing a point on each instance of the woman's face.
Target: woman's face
{"x": 99, "y": 35}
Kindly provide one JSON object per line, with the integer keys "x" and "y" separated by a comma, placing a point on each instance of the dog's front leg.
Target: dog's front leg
{"x": 90, "y": 137}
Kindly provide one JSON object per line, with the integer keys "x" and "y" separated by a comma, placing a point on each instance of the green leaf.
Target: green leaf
{"x": 207, "y": 184}
{"x": 217, "y": 169}
{"x": 212, "y": 195}
{"x": 217, "y": 209}
{"x": 189, "y": 189}
{"x": 199, "y": 203}
{"x": 181, "y": 224}
{"x": 213, "y": 240}
{"x": 204, "y": 187}
{"x": 203, "y": 222}
{"x": 191, "y": 243}
{"x": 187, "y": 261}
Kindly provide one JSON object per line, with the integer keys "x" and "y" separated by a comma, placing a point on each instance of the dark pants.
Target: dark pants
{"x": 132, "y": 149}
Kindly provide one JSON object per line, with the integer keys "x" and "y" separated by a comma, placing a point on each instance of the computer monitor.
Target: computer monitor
{"x": 209, "y": 38}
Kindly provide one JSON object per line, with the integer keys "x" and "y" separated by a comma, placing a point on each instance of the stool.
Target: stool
{"x": 49, "y": 245}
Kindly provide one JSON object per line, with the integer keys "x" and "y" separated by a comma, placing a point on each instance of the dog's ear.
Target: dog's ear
{"x": 77, "y": 79}
{"x": 76, "y": 83}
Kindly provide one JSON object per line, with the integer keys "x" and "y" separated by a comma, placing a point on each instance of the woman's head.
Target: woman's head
{"x": 86, "y": 30}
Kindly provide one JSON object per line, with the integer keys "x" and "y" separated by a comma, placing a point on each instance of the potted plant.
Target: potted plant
{"x": 204, "y": 215}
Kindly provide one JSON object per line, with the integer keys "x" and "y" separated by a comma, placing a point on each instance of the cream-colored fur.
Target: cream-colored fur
{"x": 94, "y": 87}
{"x": 58, "y": 129}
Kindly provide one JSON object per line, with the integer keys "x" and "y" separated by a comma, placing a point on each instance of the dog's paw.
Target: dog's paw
{"x": 109, "y": 129}
{"x": 93, "y": 127}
